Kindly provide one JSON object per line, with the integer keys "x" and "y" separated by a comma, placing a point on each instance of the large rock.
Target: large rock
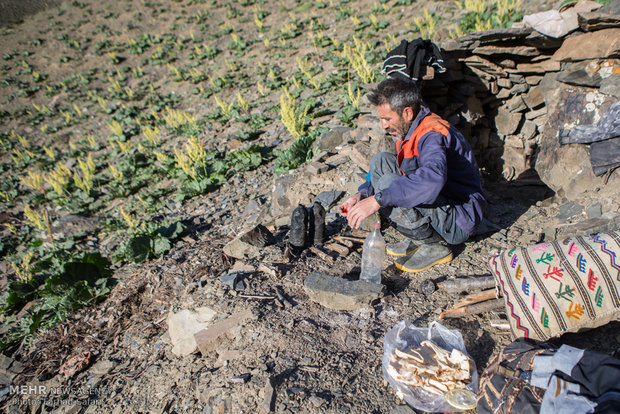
{"x": 596, "y": 45}
{"x": 608, "y": 222}
{"x": 341, "y": 294}
{"x": 566, "y": 169}
{"x": 507, "y": 122}
{"x": 282, "y": 198}
{"x": 331, "y": 139}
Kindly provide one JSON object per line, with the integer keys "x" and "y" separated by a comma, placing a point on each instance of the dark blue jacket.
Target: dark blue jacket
{"x": 435, "y": 159}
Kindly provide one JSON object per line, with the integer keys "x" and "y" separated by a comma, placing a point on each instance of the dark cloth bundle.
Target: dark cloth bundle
{"x": 408, "y": 59}
{"x": 531, "y": 377}
{"x": 603, "y": 137}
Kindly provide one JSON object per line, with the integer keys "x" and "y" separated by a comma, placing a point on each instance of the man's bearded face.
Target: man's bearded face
{"x": 393, "y": 122}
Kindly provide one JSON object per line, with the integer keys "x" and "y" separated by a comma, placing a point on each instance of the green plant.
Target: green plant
{"x": 293, "y": 117}
{"x": 59, "y": 285}
{"x": 298, "y": 153}
{"x": 151, "y": 241}
{"x": 481, "y": 16}
{"x": 356, "y": 56}
{"x": 426, "y": 24}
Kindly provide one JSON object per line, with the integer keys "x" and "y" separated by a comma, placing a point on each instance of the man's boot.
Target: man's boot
{"x": 424, "y": 257}
{"x": 299, "y": 227}
{"x": 409, "y": 245}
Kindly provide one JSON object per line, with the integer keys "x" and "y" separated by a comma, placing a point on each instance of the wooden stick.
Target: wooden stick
{"x": 473, "y": 309}
{"x": 348, "y": 238}
{"x": 461, "y": 284}
{"x": 242, "y": 295}
{"x": 359, "y": 233}
{"x": 338, "y": 248}
{"x": 500, "y": 323}
{"x": 476, "y": 298}
{"x": 322, "y": 254}
{"x": 270, "y": 270}
{"x": 347, "y": 243}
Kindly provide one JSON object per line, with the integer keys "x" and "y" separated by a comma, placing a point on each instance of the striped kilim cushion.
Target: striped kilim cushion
{"x": 560, "y": 286}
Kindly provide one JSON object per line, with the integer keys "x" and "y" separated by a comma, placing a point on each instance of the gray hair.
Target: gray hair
{"x": 398, "y": 93}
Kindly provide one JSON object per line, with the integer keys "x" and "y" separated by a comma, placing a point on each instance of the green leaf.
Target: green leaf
{"x": 172, "y": 231}
{"x": 161, "y": 246}
{"x": 88, "y": 267}
{"x": 138, "y": 249}
{"x": 17, "y": 295}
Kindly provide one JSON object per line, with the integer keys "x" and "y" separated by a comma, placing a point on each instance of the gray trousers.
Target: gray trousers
{"x": 417, "y": 222}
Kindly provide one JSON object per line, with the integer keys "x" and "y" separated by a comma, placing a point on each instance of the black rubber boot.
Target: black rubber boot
{"x": 317, "y": 227}
{"x": 299, "y": 227}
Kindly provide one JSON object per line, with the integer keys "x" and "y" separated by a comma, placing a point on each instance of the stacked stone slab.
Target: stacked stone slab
{"x": 507, "y": 90}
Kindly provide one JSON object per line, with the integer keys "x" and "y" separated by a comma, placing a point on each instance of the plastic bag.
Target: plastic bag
{"x": 404, "y": 335}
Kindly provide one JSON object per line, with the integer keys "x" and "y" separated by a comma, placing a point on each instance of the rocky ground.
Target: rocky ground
{"x": 279, "y": 351}
{"x": 290, "y": 356}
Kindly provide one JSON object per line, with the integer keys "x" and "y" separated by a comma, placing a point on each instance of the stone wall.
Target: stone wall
{"x": 510, "y": 91}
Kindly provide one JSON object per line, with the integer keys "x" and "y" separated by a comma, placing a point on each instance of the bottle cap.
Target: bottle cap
{"x": 461, "y": 398}
{"x": 377, "y": 225}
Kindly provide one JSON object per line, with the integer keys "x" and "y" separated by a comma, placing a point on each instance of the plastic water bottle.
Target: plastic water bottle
{"x": 373, "y": 255}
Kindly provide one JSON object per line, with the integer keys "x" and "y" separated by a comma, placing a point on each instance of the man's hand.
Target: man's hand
{"x": 345, "y": 207}
{"x": 361, "y": 210}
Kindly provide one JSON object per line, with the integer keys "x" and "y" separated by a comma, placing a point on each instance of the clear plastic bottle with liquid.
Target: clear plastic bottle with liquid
{"x": 373, "y": 255}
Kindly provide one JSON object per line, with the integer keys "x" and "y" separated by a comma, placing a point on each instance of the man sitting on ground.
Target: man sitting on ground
{"x": 429, "y": 190}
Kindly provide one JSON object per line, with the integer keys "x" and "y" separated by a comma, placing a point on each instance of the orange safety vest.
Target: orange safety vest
{"x": 409, "y": 148}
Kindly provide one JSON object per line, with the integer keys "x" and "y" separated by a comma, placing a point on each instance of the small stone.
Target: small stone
{"x": 519, "y": 89}
{"x": 536, "y": 114}
{"x": 534, "y": 98}
{"x": 328, "y": 198}
{"x": 316, "y": 401}
{"x": 268, "y": 405}
{"x": 595, "y": 45}
{"x": 102, "y": 367}
{"x": 258, "y": 236}
{"x": 210, "y": 338}
{"x": 360, "y": 155}
{"x": 341, "y": 294}
{"x": 233, "y": 280}
{"x": 591, "y": 226}
{"x": 569, "y": 210}
{"x": 239, "y": 249}
{"x": 528, "y": 130}
{"x": 241, "y": 379}
{"x": 516, "y": 78}
{"x": 516, "y": 104}
{"x": 594, "y": 211}
{"x": 507, "y": 122}
{"x": 427, "y": 287}
{"x": 337, "y": 159}
{"x": 316, "y": 168}
{"x": 504, "y": 83}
